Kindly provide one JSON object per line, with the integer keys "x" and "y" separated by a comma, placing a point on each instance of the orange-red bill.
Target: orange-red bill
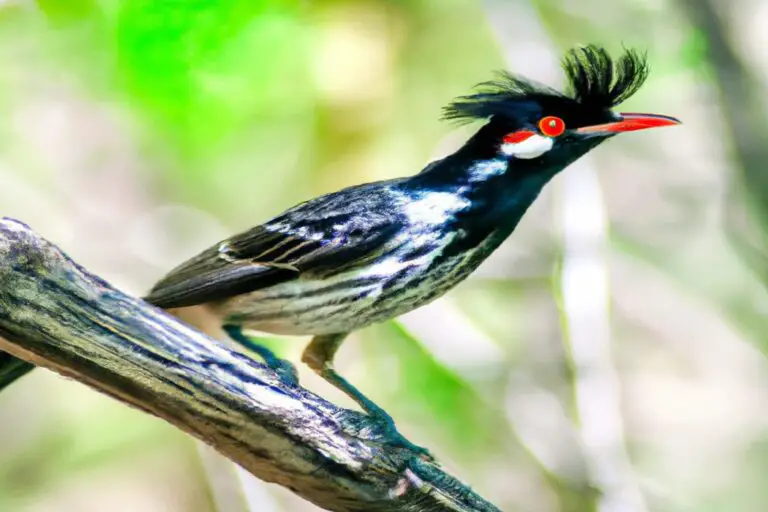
{"x": 630, "y": 122}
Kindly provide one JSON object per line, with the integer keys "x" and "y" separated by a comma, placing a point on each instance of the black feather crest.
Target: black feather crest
{"x": 595, "y": 81}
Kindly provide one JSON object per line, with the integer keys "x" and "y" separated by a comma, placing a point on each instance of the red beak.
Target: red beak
{"x": 629, "y": 122}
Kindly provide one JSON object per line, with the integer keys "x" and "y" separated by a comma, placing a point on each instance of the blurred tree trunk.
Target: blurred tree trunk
{"x": 744, "y": 125}
{"x": 599, "y": 476}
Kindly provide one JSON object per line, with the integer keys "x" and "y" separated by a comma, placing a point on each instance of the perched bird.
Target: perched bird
{"x": 371, "y": 252}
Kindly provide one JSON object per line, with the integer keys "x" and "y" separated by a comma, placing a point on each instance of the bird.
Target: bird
{"x": 368, "y": 253}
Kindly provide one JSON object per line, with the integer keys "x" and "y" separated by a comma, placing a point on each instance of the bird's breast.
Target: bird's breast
{"x": 409, "y": 275}
{"x": 430, "y": 254}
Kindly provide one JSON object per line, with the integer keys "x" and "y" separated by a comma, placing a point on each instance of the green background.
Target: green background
{"x": 135, "y": 133}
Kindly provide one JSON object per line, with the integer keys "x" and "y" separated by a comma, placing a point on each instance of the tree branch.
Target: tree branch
{"x": 54, "y": 314}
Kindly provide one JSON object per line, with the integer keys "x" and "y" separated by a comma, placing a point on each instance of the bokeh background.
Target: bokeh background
{"x": 611, "y": 356}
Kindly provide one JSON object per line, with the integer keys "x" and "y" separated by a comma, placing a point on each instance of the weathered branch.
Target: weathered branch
{"x": 53, "y": 313}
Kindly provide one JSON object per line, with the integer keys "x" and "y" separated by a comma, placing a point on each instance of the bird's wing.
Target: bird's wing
{"x": 11, "y": 369}
{"x": 326, "y": 235}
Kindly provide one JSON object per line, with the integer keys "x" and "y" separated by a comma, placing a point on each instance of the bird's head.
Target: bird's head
{"x": 540, "y": 126}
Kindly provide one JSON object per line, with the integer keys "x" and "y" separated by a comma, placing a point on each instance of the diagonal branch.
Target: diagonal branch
{"x": 55, "y": 314}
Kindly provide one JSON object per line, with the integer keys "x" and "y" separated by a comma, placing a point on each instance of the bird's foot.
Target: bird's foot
{"x": 379, "y": 426}
{"x": 376, "y": 424}
{"x": 285, "y": 370}
{"x": 387, "y": 425}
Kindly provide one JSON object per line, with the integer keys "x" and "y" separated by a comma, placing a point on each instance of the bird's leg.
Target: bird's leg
{"x": 319, "y": 356}
{"x": 283, "y": 368}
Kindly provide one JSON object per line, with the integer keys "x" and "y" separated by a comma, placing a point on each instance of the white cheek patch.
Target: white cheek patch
{"x": 533, "y": 146}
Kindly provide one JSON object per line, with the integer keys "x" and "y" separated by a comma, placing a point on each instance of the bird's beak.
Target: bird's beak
{"x": 629, "y": 122}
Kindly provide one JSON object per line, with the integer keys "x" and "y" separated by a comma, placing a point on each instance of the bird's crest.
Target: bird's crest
{"x": 595, "y": 81}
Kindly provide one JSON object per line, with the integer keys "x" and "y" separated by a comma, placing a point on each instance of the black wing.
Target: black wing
{"x": 328, "y": 234}
{"x": 12, "y": 369}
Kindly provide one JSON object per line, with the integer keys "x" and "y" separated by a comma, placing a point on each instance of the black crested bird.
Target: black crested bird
{"x": 371, "y": 252}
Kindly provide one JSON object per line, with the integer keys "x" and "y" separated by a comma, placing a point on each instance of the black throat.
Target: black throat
{"x": 498, "y": 191}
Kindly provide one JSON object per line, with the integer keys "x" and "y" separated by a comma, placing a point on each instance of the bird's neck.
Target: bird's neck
{"x": 497, "y": 193}
{"x": 498, "y": 190}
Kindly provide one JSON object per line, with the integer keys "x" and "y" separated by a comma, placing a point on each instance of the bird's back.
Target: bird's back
{"x": 404, "y": 267}
{"x": 335, "y": 263}
{"x": 322, "y": 235}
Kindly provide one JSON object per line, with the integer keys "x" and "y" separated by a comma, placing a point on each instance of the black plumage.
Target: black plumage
{"x": 595, "y": 83}
{"x": 324, "y": 236}
{"x": 345, "y": 260}
{"x": 350, "y": 228}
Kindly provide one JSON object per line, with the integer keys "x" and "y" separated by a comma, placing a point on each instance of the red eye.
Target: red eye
{"x": 552, "y": 126}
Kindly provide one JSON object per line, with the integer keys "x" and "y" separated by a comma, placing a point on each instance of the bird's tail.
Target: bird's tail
{"x": 12, "y": 369}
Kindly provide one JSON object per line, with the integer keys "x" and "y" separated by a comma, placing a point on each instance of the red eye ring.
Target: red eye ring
{"x": 552, "y": 126}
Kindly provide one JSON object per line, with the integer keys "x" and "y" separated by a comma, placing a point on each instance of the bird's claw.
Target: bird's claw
{"x": 379, "y": 426}
{"x": 286, "y": 372}
{"x": 393, "y": 436}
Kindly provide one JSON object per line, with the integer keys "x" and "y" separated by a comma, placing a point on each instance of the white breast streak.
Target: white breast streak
{"x": 533, "y": 146}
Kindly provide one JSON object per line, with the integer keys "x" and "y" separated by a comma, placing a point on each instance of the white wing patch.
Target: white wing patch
{"x": 488, "y": 169}
{"x": 434, "y": 207}
{"x": 533, "y": 146}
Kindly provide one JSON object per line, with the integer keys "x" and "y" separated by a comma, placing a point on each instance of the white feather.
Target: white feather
{"x": 533, "y": 146}
{"x": 488, "y": 169}
{"x": 434, "y": 207}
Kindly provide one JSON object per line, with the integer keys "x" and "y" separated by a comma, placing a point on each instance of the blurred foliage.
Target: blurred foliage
{"x": 136, "y": 131}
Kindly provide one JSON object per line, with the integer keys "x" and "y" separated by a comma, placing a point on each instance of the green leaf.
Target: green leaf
{"x": 203, "y": 68}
